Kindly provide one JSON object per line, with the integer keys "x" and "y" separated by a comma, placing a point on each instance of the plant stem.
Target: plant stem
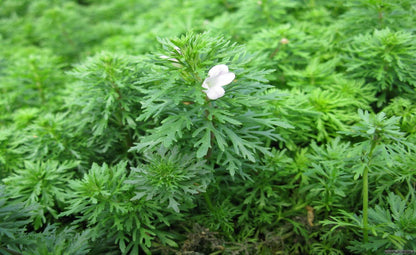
{"x": 208, "y": 156}
{"x": 212, "y": 136}
{"x": 208, "y": 201}
{"x": 38, "y": 82}
{"x": 365, "y": 204}
{"x": 209, "y": 152}
{"x": 275, "y": 51}
{"x": 365, "y": 190}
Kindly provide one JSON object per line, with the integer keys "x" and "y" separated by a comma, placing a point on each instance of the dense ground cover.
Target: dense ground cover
{"x": 207, "y": 126}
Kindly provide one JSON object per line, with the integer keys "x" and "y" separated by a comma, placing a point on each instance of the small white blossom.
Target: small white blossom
{"x": 218, "y": 76}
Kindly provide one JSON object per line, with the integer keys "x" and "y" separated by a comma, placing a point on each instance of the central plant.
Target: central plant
{"x": 185, "y": 98}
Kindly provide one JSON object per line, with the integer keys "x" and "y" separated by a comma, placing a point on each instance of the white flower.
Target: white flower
{"x": 218, "y": 76}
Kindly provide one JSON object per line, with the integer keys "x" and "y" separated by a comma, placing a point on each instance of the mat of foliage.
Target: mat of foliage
{"x": 109, "y": 144}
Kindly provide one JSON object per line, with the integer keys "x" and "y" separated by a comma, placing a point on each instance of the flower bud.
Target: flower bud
{"x": 284, "y": 41}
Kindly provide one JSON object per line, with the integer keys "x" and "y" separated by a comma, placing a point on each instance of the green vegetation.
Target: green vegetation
{"x": 207, "y": 126}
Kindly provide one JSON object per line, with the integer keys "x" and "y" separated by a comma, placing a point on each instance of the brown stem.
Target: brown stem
{"x": 275, "y": 51}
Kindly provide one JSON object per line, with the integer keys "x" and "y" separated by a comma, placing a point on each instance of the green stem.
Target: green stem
{"x": 365, "y": 190}
{"x": 208, "y": 201}
{"x": 326, "y": 205}
{"x": 207, "y": 157}
{"x": 38, "y": 82}
{"x": 365, "y": 204}
{"x": 212, "y": 136}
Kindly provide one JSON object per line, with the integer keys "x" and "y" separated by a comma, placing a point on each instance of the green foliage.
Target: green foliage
{"x": 109, "y": 144}
{"x": 384, "y": 148}
{"x": 55, "y": 241}
{"x": 9, "y": 159}
{"x": 105, "y": 201}
{"x": 376, "y": 127}
{"x": 321, "y": 113}
{"x": 395, "y": 226}
{"x": 388, "y": 58}
{"x": 403, "y": 108}
{"x": 264, "y": 203}
{"x": 364, "y": 16}
{"x": 15, "y": 239}
{"x": 14, "y": 217}
{"x": 279, "y": 54}
{"x": 32, "y": 78}
{"x": 329, "y": 168}
{"x": 50, "y": 136}
{"x": 169, "y": 177}
{"x": 42, "y": 184}
{"x": 104, "y": 101}
{"x": 391, "y": 224}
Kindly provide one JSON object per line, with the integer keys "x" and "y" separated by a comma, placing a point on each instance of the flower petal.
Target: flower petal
{"x": 223, "y": 79}
{"x": 217, "y": 70}
{"x": 207, "y": 82}
{"x": 215, "y": 93}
